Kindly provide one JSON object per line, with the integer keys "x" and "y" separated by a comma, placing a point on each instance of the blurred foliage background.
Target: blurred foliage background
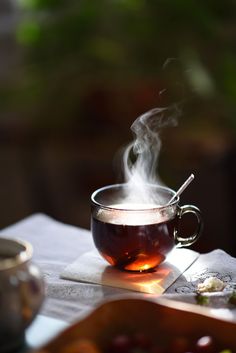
{"x": 75, "y": 74}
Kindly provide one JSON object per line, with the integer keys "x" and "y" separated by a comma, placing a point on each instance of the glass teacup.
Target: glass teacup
{"x": 138, "y": 237}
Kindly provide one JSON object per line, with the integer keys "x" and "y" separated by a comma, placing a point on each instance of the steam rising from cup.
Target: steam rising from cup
{"x": 140, "y": 159}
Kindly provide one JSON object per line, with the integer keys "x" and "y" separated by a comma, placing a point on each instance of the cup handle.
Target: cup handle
{"x": 180, "y": 242}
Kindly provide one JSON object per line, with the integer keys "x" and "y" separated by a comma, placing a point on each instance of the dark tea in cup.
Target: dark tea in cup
{"x": 137, "y": 236}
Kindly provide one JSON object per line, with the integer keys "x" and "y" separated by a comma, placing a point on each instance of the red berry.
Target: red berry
{"x": 120, "y": 344}
{"x": 179, "y": 345}
{"x": 205, "y": 344}
{"x": 141, "y": 341}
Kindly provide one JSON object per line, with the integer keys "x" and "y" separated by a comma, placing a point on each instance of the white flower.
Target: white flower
{"x": 211, "y": 284}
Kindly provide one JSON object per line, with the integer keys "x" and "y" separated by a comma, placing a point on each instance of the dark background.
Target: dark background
{"x": 74, "y": 75}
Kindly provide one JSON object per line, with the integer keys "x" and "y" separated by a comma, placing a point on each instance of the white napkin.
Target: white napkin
{"x": 216, "y": 263}
{"x": 92, "y": 268}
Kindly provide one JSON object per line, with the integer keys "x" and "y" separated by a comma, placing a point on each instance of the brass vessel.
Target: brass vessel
{"x": 21, "y": 292}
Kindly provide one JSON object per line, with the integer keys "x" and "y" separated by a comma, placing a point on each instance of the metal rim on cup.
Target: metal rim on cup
{"x": 21, "y": 252}
{"x": 116, "y": 186}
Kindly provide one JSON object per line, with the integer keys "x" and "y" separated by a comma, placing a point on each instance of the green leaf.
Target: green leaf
{"x": 202, "y": 299}
{"x": 232, "y": 298}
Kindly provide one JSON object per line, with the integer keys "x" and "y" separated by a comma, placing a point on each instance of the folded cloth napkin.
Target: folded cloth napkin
{"x": 92, "y": 268}
{"x": 218, "y": 264}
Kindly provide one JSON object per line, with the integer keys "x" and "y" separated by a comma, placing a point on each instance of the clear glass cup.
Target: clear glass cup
{"x": 138, "y": 237}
